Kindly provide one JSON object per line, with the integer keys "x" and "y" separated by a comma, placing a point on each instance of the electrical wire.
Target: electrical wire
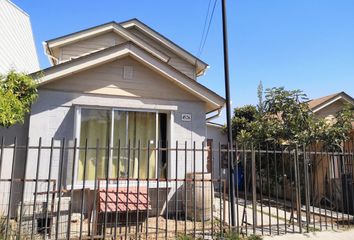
{"x": 203, "y": 41}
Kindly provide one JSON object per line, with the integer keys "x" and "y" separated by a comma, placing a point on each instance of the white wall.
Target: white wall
{"x": 17, "y": 48}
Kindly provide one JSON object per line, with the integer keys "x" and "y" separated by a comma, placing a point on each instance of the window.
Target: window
{"x": 126, "y": 129}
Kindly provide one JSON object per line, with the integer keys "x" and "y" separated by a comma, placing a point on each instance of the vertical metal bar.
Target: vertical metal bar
{"x": 60, "y": 188}
{"x": 48, "y": 187}
{"x": 117, "y": 190}
{"x": 245, "y": 178}
{"x": 261, "y": 186}
{"x": 11, "y": 189}
{"x": 220, "y": 191}
{"x": 2, "y": 153}
{"x": 94, "y": 207}
{"x": 276, "y": 185}
{"x": 345, "y": 158}
{"x": 306, "y": 185}
{"x": 316, "y": 180}
{"x": 185, "y": 188}
{"x": 236, "y": 185}
{"x": 298, "y": 186}
{"x": 138, "y": 194}
{"x": 335, "y": 194}
{"x": 148, "y": 186}
{"x": 68, "y": 234}
{"x": 212, "y": 189}
{"x": 351, "y": 161}
{"x": 127, "y": 200}
{"x": 320, "y": 154}
{"x": 23, "y": 189}
{"x": 254, "y": 189}
{"x": 268, "y": 183}
{"x": 284, "y": 190}
{"x": 107, "y": 168}
{"x": 166, "y": 189}
{"x": 330, "y": 185}
{"x": 83, "y": 189}
{"x": 292, "y": 163}
{"x": 352, "y": 164}
{"x": 157, "y": 189}
{"x": 203, "y": 192}
{"x": 194, "y": 195}
{"x": 176, "y": 201}
{"x": 313, "y": 188}
{"x": 36, "y": 186}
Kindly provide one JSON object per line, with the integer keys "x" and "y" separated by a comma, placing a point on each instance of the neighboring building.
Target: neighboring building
{"x": 328, "y": 106}
{"x": 120, "y": 81}
{"x": 17, "y": 48}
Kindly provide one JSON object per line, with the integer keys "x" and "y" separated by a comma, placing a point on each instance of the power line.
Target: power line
{"x": 203, "y": 41}
{"x": 204, "y": 27}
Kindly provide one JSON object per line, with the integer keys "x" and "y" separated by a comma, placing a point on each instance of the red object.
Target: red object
{"x": 131, "y": 200}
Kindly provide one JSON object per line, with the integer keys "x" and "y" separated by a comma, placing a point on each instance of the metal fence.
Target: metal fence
{"x": 71, "y": 190}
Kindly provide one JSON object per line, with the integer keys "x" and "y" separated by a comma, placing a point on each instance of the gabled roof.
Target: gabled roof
{"x": 201, "y": 66}
{"x": 54, "y": 73}
{"x": 121, "y": 29}
{"x": 319, "y": 103}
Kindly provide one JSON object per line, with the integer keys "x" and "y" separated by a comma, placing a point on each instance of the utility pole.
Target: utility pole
{"x": 228, "y": 116}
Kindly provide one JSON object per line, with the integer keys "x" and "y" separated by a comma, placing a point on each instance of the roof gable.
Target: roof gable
{"x": 50, "y": 46}
{"x": 111, "y": 79}
{"x": 74, "y": 66}
{"x": 317, "y": 104}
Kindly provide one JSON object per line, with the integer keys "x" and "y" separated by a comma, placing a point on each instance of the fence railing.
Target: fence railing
{"x": 67, "y": 190}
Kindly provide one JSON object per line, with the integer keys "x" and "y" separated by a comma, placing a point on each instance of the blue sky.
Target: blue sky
{"x": 302, "y": 44}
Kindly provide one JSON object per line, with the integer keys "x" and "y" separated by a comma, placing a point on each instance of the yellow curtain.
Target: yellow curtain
{"x": 95, "y": 124}
{"x": 119, "y": 136}
{"x": 142, "y": 127}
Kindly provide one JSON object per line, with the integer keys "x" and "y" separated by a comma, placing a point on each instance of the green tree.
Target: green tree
{"x": 284, "y": 117}
{"x": 17, "y": 92}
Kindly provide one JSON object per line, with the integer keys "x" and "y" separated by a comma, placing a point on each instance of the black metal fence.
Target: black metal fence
{"x": 71, "y": 190}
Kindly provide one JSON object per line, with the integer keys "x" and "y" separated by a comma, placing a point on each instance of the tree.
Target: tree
{"x": 17, "y": 92}
{"x": 283, "y": 117}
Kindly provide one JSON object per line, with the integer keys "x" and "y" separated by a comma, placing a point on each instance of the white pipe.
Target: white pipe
{"x": 218, "y": 114}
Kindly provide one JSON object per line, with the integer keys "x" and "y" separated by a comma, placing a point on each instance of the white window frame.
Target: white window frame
{"x": 77, "y": 128}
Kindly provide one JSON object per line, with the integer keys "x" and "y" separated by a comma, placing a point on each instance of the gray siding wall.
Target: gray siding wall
{"x": 53, "y": 116}
{"x": 90, "y": 45}
{"x": 175, "y": 61}
{"x": 17, "y": 48}
{"x": 215, "y": 133}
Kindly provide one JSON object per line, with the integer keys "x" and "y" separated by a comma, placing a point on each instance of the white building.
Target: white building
{"x": 17, "y": 48}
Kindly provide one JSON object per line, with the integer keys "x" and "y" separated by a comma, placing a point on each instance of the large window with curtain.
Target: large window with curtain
{"x": 119, "y": 143}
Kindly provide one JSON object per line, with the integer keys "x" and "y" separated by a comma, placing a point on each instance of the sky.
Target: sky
{"x": 302, "y": 44}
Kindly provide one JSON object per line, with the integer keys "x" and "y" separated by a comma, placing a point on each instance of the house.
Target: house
{"x": 331, "y": 168}
{"x": 120, "y": 83}
{"x": 17, "y": 48}
{"x": 328, "y": 106}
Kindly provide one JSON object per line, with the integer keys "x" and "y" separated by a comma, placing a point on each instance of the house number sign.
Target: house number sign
{"x": 186, "y": 117}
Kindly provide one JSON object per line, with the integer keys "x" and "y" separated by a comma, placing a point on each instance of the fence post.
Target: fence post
{"x": 254, "y": 190}
{"x": 297, "y": 188}
{"x": 306, "y": 185}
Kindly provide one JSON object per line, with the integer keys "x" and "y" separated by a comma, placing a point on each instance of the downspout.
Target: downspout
{"x": 218, "y": 114}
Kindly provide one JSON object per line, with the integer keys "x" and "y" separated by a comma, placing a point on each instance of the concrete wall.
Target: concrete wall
{"x": 17, "y": 48}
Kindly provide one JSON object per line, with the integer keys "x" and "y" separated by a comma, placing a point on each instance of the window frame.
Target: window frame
{"x": 77, "y": 130}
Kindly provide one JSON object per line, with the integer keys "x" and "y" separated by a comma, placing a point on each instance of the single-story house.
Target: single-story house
{"x": 332, "y": 167}
{"x": 116, "y": 82}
